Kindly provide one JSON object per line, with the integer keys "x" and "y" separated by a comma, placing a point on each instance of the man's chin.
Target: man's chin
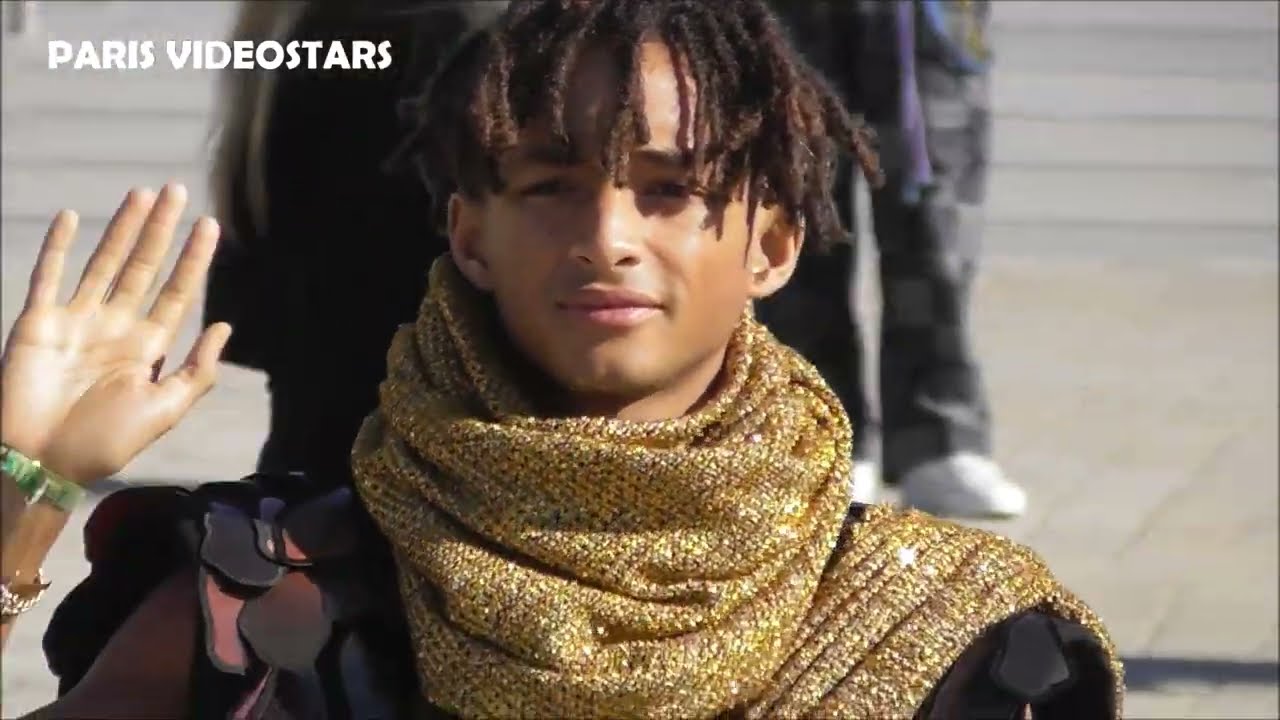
{"x": 606, "y": 368}
{"x": 606, "y": 381}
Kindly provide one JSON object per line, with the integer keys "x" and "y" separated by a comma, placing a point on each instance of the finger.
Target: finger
{"x": 188, "y": 276}
{"x": 47, "y": 274}
{"x": 189, "y": 383}
{"x": 149, "y": 252}
{"x": 112, "y": 249}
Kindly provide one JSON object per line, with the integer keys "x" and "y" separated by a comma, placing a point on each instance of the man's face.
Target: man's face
{"x": 627, "y": 291}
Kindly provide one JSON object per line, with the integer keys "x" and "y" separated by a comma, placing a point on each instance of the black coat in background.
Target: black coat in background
{"x": 348, "y": 245}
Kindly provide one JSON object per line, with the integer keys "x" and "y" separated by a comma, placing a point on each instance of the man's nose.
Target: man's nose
{"x": 614, "y": 238}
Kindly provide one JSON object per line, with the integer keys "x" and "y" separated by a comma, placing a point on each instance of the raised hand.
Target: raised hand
{"x": 80, "y": 387}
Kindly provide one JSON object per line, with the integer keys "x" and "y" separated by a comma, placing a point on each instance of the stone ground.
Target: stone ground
{"x": 1127, "y": 314}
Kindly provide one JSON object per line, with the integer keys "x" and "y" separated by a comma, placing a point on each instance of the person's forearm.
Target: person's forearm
{"x": 28, "y": 537}
{"x": 12, "y": 505}
{"x": 29, "y": 531}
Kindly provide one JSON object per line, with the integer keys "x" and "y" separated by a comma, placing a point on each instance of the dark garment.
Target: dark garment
{"x": 343, "y": 260}
{"x": 300, "y": 616}
{"x": 932, "y": 399}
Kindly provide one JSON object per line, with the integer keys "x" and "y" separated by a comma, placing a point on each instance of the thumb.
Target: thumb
{"x": 182, "y": 388}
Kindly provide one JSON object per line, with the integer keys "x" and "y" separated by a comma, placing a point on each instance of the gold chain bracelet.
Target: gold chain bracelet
{"x": 16, "y": 599}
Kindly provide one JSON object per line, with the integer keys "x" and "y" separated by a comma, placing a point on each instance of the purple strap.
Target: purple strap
{"x": 918, "y": 173}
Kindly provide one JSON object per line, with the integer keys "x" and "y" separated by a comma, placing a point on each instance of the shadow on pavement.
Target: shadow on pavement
{"x": 1149, "y": 673}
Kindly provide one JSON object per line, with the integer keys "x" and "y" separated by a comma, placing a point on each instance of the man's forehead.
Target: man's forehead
{"x": 596, "y": 89}
{"x": 541, "y": 149}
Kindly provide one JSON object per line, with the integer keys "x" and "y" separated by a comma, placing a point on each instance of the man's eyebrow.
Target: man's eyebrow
{"x": 561, "y": 155}
{"x": 670, "y": 158}
{"x": 557, "y": 154}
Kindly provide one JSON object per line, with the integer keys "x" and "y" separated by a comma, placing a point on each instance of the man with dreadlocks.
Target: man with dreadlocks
{"x": 595, "y": 486}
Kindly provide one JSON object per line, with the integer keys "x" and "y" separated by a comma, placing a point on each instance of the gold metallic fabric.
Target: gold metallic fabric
{"x": 906, "y": 594}
{"x": 592, "y": 567}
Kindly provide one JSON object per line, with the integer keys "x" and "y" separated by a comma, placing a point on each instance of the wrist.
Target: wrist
{"x": 29, "y": 446}
{"x": 38, "y": 483}
{"x": 63, "y": 465}
{"x": 47, "y": 455}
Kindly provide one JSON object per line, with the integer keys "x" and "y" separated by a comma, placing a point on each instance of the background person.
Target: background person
{"x": 325, "y": 249}
{"x": 919, "y": 72}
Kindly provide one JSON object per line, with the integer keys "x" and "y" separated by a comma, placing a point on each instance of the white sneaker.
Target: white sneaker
{"x": 963, "y": 485}
{"x": 865, "y": 482}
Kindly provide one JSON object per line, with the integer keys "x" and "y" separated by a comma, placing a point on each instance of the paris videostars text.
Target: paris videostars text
{"x": 219, "y": 55}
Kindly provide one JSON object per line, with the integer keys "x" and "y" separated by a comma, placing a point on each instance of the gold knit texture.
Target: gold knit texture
{"x": 905, "y": 594}
{"x": 592, "y": 567}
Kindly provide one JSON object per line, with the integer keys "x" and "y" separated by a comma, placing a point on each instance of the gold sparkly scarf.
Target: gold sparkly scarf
{"x": 591, "y": 567}
{"x": 578, "y": 568}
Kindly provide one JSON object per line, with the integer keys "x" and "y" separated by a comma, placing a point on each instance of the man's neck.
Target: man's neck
{"x": 680, "y": 397}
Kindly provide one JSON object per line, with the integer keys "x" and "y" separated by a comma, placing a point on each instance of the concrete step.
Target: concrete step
{"x": 1134, "y": 144}
{"x": 35, "y": 194}
{"x": 1237, "y": 54}
{"x": 1158, "y": 197}
{"x": 1149, "y": 243}
{"x": 69, "y": 138}
{"x": 1109, "y": 97}
{"x": 159, "y": 92}
{"x": 1197, "y": 15}
{"x": 130, "y": 20}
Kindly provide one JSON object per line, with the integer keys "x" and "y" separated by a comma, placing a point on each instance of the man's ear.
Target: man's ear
{"x": 466, "y": 241}
{"x": 774, "y": 253}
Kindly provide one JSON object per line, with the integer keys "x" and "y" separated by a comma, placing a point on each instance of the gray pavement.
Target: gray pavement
{"x": 1127, "y": 314}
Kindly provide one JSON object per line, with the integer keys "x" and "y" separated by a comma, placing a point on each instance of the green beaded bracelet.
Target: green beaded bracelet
{"x": 38, "y": 483}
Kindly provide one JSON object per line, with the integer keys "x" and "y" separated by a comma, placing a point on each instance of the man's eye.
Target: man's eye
{"x": 545, "y": 188}
{"x": 670, "y": 190}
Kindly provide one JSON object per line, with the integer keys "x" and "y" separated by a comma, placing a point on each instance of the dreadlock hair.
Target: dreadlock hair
{"x": 765, "y": 121}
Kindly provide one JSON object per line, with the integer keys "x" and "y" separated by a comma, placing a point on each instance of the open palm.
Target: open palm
{"x": 80, "y": 388}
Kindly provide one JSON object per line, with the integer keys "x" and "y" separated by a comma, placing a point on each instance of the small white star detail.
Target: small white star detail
{"x": 906, "y": 556}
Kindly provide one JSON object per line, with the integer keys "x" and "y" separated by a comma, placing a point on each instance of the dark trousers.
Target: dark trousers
{"x": 932, "y": 401}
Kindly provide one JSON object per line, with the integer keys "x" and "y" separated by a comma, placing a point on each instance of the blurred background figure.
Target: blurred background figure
{"x": 325, "y": 252}
{"x": 19, "y": 16}
{"x": 924, "y": 85}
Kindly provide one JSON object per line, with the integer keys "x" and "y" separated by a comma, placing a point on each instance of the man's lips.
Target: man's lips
{"x": 611, "y": 307}
{"x": 603, "y": 298}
